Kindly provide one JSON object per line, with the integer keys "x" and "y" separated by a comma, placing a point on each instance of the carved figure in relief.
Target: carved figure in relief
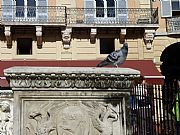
{"x": 103, "y": 118}
{"x": 72, "y": 118}
{"x": 6, "y": 121}
{"x": 73, "y": 121}
{"x": 43, "y": 124}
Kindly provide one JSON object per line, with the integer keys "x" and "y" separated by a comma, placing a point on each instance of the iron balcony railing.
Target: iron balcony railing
{"x": 34, "y": 15}
{"x": 61, "y": 15}
{"x": 112, "y": 16}
{"x": 173, "y": 25}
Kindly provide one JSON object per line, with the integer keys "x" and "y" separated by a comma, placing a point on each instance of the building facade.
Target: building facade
{"x": 48, "y": 30}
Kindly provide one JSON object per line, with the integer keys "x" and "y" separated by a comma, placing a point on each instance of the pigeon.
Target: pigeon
{"x": 115, "y": 58}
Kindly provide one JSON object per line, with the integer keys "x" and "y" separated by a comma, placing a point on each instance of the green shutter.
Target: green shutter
{"x": 89, "y": 11}
{"x": 166, "y": 8}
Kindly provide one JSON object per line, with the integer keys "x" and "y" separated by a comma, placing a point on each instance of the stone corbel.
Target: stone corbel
{"x": 93, "y": 35}
{"x": 148, "y": 38}
{"x": 122, "y": 35}
{"x": 7, "y": 33}
{"x": 66, "y": 37}
{"x": 39, "y": 36}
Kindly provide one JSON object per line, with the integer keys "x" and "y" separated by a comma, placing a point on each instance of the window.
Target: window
{"x": 24, "y": 46}
{"x": 105, "y": 8}
{"x": 175, "y": 7}
{"x": 99, "y": 8}
{"x": 110, "y": 8}
{"x": 106, "y": 45}
{"x": 25, "y": 8}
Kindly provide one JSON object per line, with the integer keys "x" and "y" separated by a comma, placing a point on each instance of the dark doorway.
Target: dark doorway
{"x": 171, "y": 61}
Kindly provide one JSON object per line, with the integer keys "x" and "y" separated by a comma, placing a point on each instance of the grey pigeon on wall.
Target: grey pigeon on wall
{"x": 115, "y": 58}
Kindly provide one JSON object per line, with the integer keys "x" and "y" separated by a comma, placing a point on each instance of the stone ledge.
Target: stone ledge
{"x": 34, "y": 78}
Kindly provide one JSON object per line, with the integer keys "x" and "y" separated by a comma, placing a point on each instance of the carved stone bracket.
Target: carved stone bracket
{"x": 67, "y": 78}
{"x": 122, "y": 35}
{"x": 66, "y": 37}
{"x": 149, "y": 37}
{"x": 39, "y": 35}
{"x": 93, "y": 35}
{"x": 7, "y": 33}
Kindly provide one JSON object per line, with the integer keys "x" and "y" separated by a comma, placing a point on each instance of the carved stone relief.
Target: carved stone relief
{"x": 70, "y": 118}
{"x": 6, "y": 119}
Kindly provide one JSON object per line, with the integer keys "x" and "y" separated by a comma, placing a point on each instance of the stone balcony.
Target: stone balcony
{"x": 79, "y": 17}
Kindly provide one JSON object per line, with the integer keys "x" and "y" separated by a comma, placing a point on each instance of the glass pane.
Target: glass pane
{"x": 175, "y": 5}
{"x": 110, "y": 8}
{"x": 31, "y": 8}
{"x": 99, "y": 8}
{"x": 19, "y": 8}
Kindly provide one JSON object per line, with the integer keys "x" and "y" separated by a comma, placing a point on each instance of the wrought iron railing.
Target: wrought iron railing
{"x": 173, "y": 25}
{"x": 34, "y": 15}
{"x": 68, "y": 16}
{"x": 112, "y": 16}
{"x": 152, "y": 109}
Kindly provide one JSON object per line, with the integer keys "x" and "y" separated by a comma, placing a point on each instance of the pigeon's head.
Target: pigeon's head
{"x": 125, "y": 45}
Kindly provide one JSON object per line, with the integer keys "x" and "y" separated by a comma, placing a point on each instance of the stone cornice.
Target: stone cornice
{"x": 33, "y": 78}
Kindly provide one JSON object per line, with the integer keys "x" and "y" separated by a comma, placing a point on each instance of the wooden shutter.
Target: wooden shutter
{"x": 122, "y": 12}
{"x": 42, "y": 10}
{"x": 166, "y": 8}
{"x": 89, "y": 11}
{"x": 7, "y": 10}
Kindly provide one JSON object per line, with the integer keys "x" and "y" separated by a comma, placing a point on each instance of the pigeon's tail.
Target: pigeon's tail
{"x": 102, "y": 64}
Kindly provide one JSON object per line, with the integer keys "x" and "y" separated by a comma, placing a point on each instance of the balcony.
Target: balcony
{"x": 22, "y": 15}
{"x": 79, "y": 17}
{"x": 112, "y": 17}
{"x": 173, "y": 25}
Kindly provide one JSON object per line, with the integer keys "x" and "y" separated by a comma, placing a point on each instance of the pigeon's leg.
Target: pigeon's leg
{"x": 116, "y": 66}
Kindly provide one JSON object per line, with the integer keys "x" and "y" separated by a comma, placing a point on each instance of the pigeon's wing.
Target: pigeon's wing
{"x": 114, "y": 56}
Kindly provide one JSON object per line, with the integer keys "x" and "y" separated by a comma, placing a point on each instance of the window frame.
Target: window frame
{"x": 105, "y": 9}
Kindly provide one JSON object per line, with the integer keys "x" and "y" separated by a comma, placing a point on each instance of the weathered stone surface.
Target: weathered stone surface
{"x": 55, "y": 78}
{"x": 71, "y": 101}
{"x": 6, "y": 112}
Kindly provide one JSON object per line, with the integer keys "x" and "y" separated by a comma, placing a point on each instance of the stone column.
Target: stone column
{"x": 71, "y": 101}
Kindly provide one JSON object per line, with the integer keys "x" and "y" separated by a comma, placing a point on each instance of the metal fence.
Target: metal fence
{"x": 154, "y": 109}
{"x": 173, "y": 25}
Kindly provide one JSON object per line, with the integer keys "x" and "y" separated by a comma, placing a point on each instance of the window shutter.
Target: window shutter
{"x": 42, "y": 10}
{"x": 89, "y": 11}
{"x": 166, "y": 8}
{"x": 122, "y": 12}
{"x": 7, "y": 10}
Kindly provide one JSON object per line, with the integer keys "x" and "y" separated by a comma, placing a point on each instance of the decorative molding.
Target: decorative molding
{"x": 6, "y": 94}
{"x": 39, "y": 35}
{"x": 93, "y": 35}
{"x": 66, "y": 37}
{"x": 122, "y": 35}
{"x": 72, "y": 78}
{"x": 149, "y": 37}
{"x": 7, "y": 33}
